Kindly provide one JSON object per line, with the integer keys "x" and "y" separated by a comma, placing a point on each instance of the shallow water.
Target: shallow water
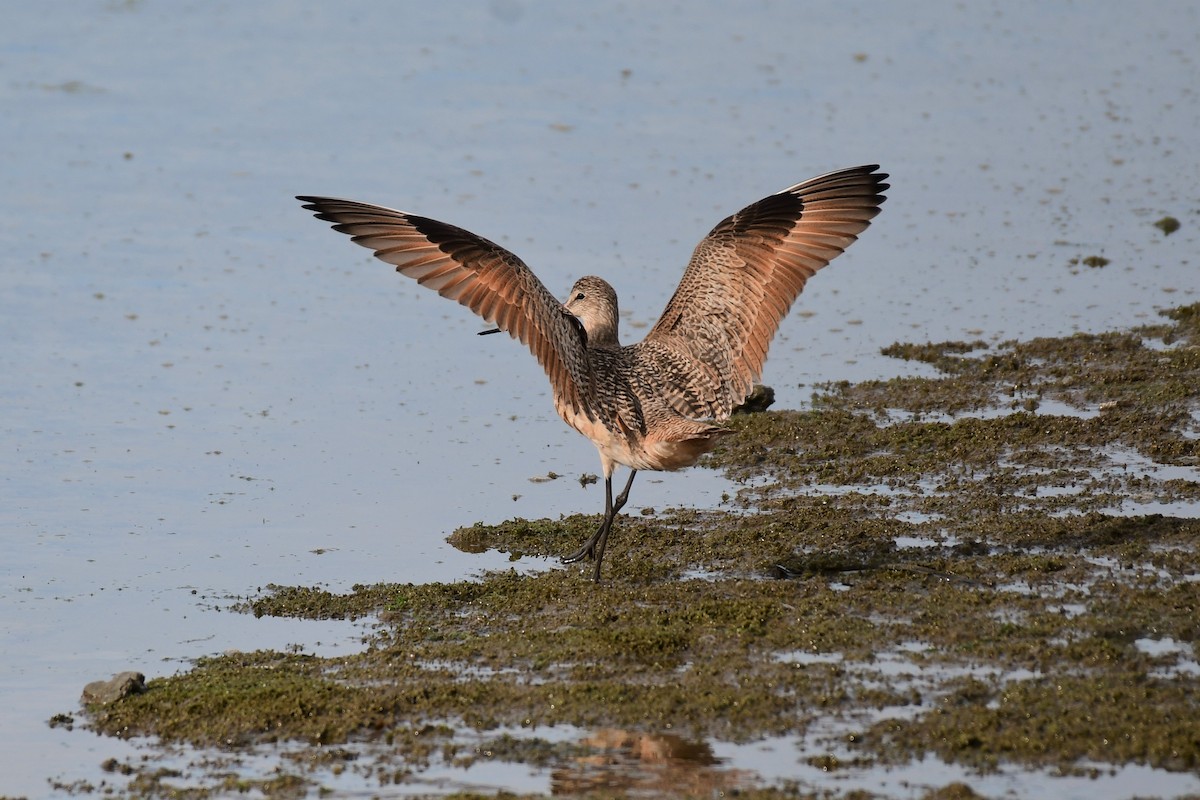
{"x": 206, "y": 391}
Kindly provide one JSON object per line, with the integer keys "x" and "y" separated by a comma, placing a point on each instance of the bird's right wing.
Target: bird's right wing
{"x": 477, "y": 273}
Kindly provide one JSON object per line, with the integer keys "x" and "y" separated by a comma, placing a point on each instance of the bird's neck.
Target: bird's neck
{"x": 603, "y": 336}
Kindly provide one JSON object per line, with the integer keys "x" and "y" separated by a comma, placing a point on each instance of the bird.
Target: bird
{"x": 657, "y": 404}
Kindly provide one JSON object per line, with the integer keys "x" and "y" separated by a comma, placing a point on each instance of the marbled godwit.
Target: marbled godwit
{"x": 649, "y": 405}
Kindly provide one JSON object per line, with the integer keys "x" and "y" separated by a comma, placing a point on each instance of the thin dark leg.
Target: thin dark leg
{"x": 594, "y": 546}
{"x": 607, "y": 528}
{"x": 624, "y": 495}
{"x": 589, "y": 546}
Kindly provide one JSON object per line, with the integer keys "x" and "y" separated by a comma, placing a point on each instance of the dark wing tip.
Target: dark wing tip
{"x": 880, "y": 181}
{"x": 880, "y": 178}
{"x": 317, "y": 205}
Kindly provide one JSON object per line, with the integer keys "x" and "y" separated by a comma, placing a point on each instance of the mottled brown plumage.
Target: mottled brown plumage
{"x": 649, "y": 405}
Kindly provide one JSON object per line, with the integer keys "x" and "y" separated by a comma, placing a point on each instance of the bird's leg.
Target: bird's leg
{"x": 619, "y": 503}
{"x": 610, "y": 513}
{"x": 589, "y": 546}
{"x": 600, "y": 537}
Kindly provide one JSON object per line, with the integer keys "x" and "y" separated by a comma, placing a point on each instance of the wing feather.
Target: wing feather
{"x": 744, "y": 276}
{"x": 476, "y": 273}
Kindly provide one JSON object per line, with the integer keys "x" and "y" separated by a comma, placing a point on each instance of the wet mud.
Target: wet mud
{"x": 993, "y": 566}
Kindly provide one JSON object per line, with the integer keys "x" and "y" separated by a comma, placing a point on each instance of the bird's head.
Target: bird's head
{"x": 594, "y": 303}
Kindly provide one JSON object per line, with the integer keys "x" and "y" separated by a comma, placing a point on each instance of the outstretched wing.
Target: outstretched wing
{"x": 476, "y": 273}
{"x": 745, "y": 275}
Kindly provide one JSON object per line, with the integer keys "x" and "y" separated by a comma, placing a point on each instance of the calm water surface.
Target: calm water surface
{"x": 204, "y": 390}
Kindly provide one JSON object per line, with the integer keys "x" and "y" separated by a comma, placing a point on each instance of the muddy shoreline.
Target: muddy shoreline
{"x": 994, "y": 567}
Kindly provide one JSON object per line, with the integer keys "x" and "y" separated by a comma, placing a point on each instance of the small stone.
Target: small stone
{"x": 120, "y": 686}
{"x": 759, "y": 399}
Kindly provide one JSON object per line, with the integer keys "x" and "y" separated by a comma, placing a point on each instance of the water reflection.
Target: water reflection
{"x": 634, "y": 762}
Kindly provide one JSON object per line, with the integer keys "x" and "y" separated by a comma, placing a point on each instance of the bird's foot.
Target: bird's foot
{"x": 587, "y": 551}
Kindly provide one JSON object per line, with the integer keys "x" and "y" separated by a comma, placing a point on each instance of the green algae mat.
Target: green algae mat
{"x": 992, "y": 569}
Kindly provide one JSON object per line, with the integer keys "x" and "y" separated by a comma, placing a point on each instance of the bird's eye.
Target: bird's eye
{"x": 579, "y": 296}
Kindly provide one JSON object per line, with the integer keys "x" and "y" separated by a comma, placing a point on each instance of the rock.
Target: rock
{"x": 121, "y": 685}
{"x": 760, "y": 399}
